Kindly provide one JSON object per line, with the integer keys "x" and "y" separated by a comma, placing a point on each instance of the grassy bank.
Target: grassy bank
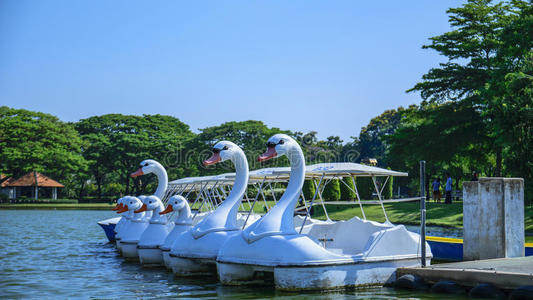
{"x": 438, "y": 214}
{"x": 61, "y": 206}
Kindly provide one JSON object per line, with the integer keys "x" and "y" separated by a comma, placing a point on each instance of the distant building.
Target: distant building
{"x": 369, "y": 161}
{"x": 31, "y": 185}
{"x": 4, "y": 189}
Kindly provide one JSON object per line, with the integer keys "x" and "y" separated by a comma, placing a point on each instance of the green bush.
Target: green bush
{"x": 347, "y": 189}
{"x": 46, "y": 200}
{"x": 60, "y": 201}
{"x": 309, "y": 190}
{"x": 113, "y": 189}
{"x": 388, "y": 190}
{"x": 90, "y": 189}
{"x": 95, "y": 199}
{"x": 332, "y": 191}
{"x": 365, "y": 186}
{"x": 4, "y": 197}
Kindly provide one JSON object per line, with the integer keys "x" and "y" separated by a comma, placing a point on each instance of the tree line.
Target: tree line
{"x": 476, "y": 115}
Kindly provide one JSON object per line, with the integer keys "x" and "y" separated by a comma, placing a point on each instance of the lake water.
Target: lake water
{"x": 65, "y": 254}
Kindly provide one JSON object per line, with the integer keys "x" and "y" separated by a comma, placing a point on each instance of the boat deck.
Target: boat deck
{"x": 505, "y": 273}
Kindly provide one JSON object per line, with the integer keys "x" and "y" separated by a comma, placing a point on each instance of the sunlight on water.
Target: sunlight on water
{"x": 64, "y": 254}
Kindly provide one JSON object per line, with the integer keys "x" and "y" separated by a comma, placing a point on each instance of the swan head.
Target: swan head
{"x": 146, "y": 167}
{"x": 130, "y": 203}
{"x": 119, "y": 205}
{"x": 278, "y": 145}
{"x": 222, "y": 151}
{"x": 175, "y": 203}
{"x": 149, "y": 203}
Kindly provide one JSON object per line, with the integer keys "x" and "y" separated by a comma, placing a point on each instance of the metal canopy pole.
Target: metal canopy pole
{"x": 358, "y": 197}
{"x": 253, "y": 203}
{"x": 212, "y": 197}
{"x": 311, "y": 205}
{"x": 180, "y": 189}
{"x": 223, "y": 189}
{"x": 263, "y": 195}
{"x": 189, "y": 192}
{"x": 384, "y": 184}
{"x": 322, "y": 199}
{"x": 356, "y": 193}
{"x": 380, "y": 199}
{"x": 247, "y": 199}
{"x": 207, "y": 200}
{"x": 197, "y": 198}
{"x": 305, "y": 202}
{"x": 273, "y": 195}
{"x": 423, "y": 210}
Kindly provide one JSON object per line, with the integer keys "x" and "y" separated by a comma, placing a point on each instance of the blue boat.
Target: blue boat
{"x": 108, "y": 226}
{"x": 452, "y": 248}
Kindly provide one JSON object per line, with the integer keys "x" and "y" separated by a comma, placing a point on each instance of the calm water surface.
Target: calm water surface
{"x": 64, "y": 254}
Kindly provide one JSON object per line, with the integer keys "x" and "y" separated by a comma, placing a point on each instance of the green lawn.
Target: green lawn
{"x": 409, "y": 213}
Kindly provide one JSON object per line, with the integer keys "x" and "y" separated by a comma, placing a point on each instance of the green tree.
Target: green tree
{"x": 347, "y": 189}
{"x": 35, "y": 141}
{"x": 116, "y": 144}
{"x": 365, "y": 187}
{"x": 309, "y": 190}
{"x": 372, "y": 141}
{"x": 332, "y": 191}
{"x": 518, "y": 106}
{"x": 458, "y": 145}
{"x": 387, "y": 190}
{"x": 472, "y": 49}
{"x": 249, "y": 135}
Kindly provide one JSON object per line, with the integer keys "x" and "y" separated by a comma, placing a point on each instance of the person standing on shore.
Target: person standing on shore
{"x": 474, "y": 176}
{"x": 436, "y": 190}
{"x": 448, "y": 199}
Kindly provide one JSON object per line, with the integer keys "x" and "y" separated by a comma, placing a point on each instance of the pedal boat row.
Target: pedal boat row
{"x": 285, "y": 246}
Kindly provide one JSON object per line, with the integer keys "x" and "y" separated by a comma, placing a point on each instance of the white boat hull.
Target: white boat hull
{"x": 150, "y": 241}
{"x": 190, "y": 256}
{"x": 150, "y": 257}
{"x": 316, "y": 277}
{"x": 129, "y": 250}
{"x": 192, "y": 266}
{"x": 119, "y": 246}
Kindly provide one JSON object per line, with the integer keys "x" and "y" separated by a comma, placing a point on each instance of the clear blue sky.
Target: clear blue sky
{"x": 328, "y": 66}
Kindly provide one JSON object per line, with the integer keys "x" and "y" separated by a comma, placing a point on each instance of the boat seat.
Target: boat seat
{"x": 348, "y": 237}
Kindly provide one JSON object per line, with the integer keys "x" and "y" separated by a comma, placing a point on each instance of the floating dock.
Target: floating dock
{"x": 504, "y": 273}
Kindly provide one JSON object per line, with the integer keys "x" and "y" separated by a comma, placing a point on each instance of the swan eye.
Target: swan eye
{"x": 225, "y": 148}
{"x": 281, "y": 142}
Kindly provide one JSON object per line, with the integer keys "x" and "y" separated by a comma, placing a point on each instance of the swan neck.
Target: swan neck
{"x": 241, "y": 179}
{"x": 225, "y": 216}
{"x": 296, "y": 181}
{"x": 184, "y": 215}
{"x": 162, "y": 180}
{"x": 156, "y": 216}
{"x": 279, "y": 220}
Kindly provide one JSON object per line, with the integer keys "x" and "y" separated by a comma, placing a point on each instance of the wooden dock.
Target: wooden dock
{"x": 504, "y": 273}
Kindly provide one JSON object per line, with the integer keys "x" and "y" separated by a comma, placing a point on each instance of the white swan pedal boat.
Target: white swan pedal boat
{"x": 324, "y": 254}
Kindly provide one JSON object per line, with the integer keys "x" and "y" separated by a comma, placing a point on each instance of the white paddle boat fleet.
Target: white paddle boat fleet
{"x": 291, "y": 251}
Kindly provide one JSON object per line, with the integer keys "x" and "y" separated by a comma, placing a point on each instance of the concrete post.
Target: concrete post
{"x": 493, "y": 218}
{"x": 54, "y": 193}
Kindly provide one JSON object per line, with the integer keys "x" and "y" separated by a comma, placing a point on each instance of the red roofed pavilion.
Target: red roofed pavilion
{"x": 32, "y": 182}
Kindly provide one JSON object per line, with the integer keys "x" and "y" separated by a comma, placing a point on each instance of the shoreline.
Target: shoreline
{"x": 406, "y": 220}
{"x": 62, "y": 206}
